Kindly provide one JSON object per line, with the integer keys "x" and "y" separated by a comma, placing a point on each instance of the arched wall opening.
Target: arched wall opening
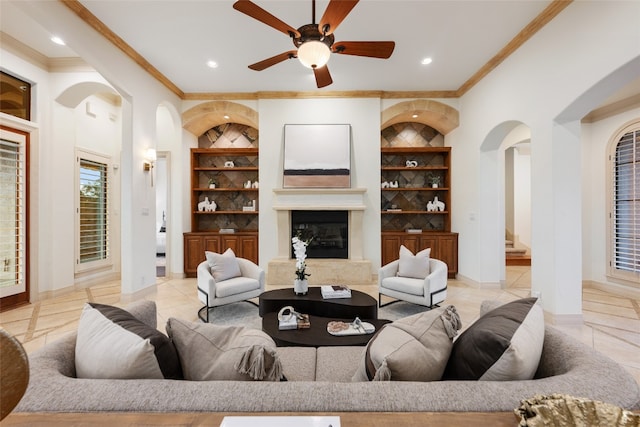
{"x": 435, "y": 114}
{"x": 203, "y": 117}
{"x": 492, "y": 199}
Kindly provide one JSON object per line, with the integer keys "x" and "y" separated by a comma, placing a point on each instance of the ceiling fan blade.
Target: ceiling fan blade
{"x": 256, "y": 12}
{"x": 259, "y": 66}
{"x": 335, "y": 13}
{"x": 371, "y": 49}
{"x": 323, "y": 77}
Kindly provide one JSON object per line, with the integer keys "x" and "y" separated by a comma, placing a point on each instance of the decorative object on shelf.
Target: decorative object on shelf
{"x": 435, "y": 205}
{"x": 247, "y": 184}
{"x": 229, "y": 164}
{"x": 255, "y": 184}
{"x": 393, "y": 184}
{"x": 300, "y": 284}
{"x": 411, "y": 163}
{"x": 385, "y": 184}
{"x": 434, "y": 180}
{"x": 212, "y": 182}
{"x": 207, "y": 206}
{"x": 250, "y": 208}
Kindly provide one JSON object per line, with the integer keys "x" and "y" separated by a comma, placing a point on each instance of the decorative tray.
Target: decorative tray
{"x": 357, "y": 327}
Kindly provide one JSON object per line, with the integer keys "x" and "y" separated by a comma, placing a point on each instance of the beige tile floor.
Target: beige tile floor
{"x": 611, "y": 323}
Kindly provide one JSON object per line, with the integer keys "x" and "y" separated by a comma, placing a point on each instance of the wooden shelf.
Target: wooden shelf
{"x": 226, "y": 213}
{"x": 416, "y": 189}
{"x": 405, "y": 212}
{"x": 233, "y": 169}
{"x": 203, "y": 189}
{"x": 417, "y": 168}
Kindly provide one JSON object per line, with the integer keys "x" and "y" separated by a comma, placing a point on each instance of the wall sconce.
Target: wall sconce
{"x": 149, "y": 162}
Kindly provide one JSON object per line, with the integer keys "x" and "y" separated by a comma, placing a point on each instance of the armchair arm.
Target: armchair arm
{"x": 252, "y": 270}
{"x": 437, "y": 278}
{"x": 388, "y": 270}
{"x": 206, "y": 282}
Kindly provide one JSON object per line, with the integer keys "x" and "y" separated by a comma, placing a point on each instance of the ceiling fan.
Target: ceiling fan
{"x": 315, "y": 42}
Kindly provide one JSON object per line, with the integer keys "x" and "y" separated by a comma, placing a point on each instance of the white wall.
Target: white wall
{"x": 364, "y": 117}
{"x": 596, "y": 138}
{"x": 550, "y": 72}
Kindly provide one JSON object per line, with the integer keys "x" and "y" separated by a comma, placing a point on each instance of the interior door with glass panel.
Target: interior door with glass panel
{"x": 14, "y": 283}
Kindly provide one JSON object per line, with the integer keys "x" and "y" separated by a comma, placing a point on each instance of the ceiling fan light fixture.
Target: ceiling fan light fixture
{"x": 314, "y": 54}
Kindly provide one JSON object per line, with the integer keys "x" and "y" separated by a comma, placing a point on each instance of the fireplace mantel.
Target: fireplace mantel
{"x": 329, "y": 199}
{"x": 298, "y": 199}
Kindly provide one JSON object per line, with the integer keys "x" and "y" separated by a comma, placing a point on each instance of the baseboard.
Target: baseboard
{"x": 612, "y": 288}
{"x": 564, "y": 319}
{"x": 79, "y": 284}
{"x": 138, "y": 295}
{"x": 477, "y": 285}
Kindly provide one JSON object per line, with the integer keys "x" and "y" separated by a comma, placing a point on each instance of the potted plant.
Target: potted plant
{"x": 212, "y": 182}
{"x": 434, "y": 180}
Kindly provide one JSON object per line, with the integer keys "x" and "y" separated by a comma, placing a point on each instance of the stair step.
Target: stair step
{"x": 515, "y": 251}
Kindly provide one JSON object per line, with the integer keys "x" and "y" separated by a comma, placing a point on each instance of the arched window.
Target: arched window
{"x": 624, "y": 261}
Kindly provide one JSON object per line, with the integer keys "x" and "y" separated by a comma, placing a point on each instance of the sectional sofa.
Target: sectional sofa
{"x": 319, "y": 380}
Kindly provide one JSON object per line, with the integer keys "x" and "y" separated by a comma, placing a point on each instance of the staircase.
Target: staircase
{"x": 516, "y": 256}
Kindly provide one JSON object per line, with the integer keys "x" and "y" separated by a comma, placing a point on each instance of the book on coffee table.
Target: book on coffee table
{"x": 335, "y": 291}
{"x": 294, "y": 322}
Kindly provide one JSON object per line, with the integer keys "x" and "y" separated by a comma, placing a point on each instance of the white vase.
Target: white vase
{"x": 300, "y": 286}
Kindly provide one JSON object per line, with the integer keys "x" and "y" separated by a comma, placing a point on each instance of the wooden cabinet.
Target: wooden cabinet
{"x": 244, "y": 244}
{"x": 444, "y": 246}
{"x": 227, "y": 179}
{"x": 415, "y": 195}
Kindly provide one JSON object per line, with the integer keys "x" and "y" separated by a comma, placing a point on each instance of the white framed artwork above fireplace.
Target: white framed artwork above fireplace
{"x": 353, "y": 270}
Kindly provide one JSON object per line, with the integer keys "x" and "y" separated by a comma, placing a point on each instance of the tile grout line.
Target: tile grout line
{"x": 636, "y": 306}
{"x": 89, "y": 295}
{"x": 28, "y": 336}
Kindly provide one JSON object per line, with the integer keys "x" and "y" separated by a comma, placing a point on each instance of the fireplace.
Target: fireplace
{"x": 328, "y": 231}
{"x": 323, "y": 203}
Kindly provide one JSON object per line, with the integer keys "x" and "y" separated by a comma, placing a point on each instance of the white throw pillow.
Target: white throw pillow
{"x": 414, "y": 266}
{"x": 223, "y": 266}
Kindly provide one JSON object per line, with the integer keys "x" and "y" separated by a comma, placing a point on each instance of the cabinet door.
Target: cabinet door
{"x": 448, "y": 252}
{"x": 193, "y": 254}
{"x": 249, "y": 247}
{"x": 211, "y": 244}
{"x": 230, "y": 241}
{"x": 390, "y": 248}
{"x": 429, "y": 242}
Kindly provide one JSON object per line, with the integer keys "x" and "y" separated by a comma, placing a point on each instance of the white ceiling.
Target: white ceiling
{"x": 178, "y": 37}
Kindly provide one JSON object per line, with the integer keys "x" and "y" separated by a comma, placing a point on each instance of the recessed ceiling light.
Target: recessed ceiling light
{"x": 415, "y": 116}
{"x": 426, "y": 61}
{"x": 57, "y": 40}
{"x": 226, "y": 117}
{"x": 212, "y": 64}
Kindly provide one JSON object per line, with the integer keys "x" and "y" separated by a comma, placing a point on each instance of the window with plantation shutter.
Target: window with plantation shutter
{"x": 12, "y": 217}
{"x": 625, "y": 215}
{"x": 92, "y": 246}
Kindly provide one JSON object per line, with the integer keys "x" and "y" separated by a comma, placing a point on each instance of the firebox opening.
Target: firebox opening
{"x": 329, "y": 229}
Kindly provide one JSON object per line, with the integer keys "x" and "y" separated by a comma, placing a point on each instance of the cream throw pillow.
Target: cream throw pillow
{"x": 223, "y": 266}
{"x": 415, "y": 348}
{"x": 414, "y": 266}
{"x": 211, "y": 352}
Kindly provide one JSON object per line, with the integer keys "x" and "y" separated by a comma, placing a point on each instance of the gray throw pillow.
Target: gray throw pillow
{"x": 415, "y": 348}
{"x": 504, "y": 344}
{"x": 113, "y": 344}
{"x": 211, "y": 352}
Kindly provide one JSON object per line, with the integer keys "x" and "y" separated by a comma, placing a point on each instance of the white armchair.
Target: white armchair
{"x": 429, "y": 291}
{"x": 250, "y": 284}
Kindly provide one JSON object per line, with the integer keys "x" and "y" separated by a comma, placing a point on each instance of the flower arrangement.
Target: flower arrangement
{"x": 300, "y": 252}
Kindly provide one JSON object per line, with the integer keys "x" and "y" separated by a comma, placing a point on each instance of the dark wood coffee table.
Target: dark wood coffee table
{"x": 316, "y": 335}
{"x": 321, "y": 311}
{"x": 359, "y": 305}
